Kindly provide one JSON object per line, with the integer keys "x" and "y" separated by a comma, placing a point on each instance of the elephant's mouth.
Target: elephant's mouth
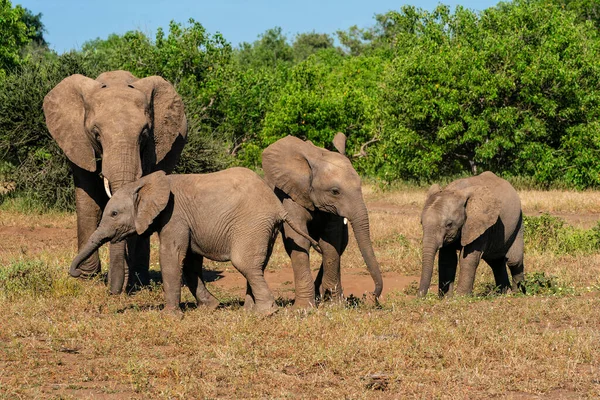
{"x": 451, "y": 237}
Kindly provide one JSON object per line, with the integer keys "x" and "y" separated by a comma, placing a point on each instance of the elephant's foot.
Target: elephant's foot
{"x": 173, "y": 312}
{"x": 518, "y": 284}
{"x": 89, "y": 271}
{"x": 209, "y": 304}
{"x": 333, "y": 295}
{"x": 303, "y": 304}
{"x": 265, "y": 309}
{"x": 248, "y": 303}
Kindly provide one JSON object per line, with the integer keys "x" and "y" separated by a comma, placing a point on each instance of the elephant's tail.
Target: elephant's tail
{"x": 285, "y": 218}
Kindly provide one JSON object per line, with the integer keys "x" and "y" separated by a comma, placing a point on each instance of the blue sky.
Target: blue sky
{"x": 70, "y": 23}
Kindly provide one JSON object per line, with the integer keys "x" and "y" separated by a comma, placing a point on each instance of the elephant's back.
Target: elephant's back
{"x": 223, "y": 207}
{"x": 237, "y": 185}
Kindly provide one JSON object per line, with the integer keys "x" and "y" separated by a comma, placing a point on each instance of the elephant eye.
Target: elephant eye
{"x": 335, "y": 191}
{"x": 114, "y": 213}
{"x": 448, "y": 224}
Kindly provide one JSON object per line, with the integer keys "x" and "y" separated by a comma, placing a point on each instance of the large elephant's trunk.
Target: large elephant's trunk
{"x": 430, "y": 248}
{"x": 98, "y": 238}
{"x": 362, "y": 233}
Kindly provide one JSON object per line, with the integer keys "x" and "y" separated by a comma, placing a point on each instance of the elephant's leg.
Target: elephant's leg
{"x": 297, "y": 248}
{"x": 329, "y": 283}
{"x": 192, "y": 271}
{"x": 469, "y": 260}
{"x": 514, "y": 260}
{"x": 498, "y": 266}
{"x": 118, "y": 272}
{"x": 139, "y": 272}
{"x": 251, "y": 266}
{"x": 172, "y": 255}
{"x": 447, "y": 261}
{"x": 90, "y": 199}
{"x": 249, "y": 302}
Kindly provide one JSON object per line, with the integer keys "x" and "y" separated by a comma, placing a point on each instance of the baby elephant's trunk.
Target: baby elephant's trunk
{"x": 94, "y": 242}
{"x": 285, "y": 218}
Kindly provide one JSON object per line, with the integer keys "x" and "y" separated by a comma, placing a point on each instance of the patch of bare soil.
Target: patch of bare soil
{"x": 30, "y": 241}
{"x": 355, "y": 281}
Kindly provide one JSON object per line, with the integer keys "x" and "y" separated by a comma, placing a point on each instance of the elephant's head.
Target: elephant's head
{"x": 131, "y": 210}
{"x": 451, "y": 215}
{"x": 318, "y": 179}
{"x": 132, "y": 124}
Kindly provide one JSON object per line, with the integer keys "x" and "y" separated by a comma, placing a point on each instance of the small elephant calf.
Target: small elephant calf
{"x": 231, "y": 215}
{"x": 480, "y": 218}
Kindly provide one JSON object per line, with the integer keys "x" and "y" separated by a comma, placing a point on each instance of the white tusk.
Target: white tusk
{"x": 107, "y": 188}
{"x": 345, "y": 221}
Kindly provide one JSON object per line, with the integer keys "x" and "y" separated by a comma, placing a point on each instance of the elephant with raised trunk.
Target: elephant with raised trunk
{"x": 479, "y": 218}
{"x": 114, "y": 129}
{"x": 321, "y": 190}
{"x": 230, "y": 215}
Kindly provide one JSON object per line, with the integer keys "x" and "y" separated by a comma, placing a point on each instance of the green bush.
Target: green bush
{"x": 538, "y": 283}
{"x": 36, "y": 279}
{"x": 514, "y": 89}
{"x": 550, "y": 234}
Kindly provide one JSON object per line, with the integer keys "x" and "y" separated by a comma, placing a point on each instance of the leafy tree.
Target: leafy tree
{"x": 269, "y": 50}
{"x": 326, "y": 94}
{"x": 306, "y": 44}
{"x": 355, "y": 41}
{"x": 514, "y": 90}
{"x": 14, "y": 35}
{"x": 36, "y": 27}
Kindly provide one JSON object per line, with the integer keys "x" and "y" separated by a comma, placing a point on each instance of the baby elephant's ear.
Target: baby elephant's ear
{"x": 482, "y": 209}
{"x": 153, "y": 195}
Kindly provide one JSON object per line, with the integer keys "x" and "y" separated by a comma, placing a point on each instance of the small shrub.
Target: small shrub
{"x": 550, "y": 234}
{"x": 33, "y": 278}
{"x": 538, "y": 283}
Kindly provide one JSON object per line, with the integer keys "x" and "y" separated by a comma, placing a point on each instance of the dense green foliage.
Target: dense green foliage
{"x": 18, "y": 27}
{"x": 422, "y": 95}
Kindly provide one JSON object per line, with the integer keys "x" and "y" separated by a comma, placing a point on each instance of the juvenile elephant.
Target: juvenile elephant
{"x": 479, "y": 217}
{"x": 319, "y": 189}
{"x": 114, "y": 129}
{"x": 231, "y": 215}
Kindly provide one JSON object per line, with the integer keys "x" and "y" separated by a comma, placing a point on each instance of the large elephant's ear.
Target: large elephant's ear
{"x": 339, "y": 142}
{"x": 169, "y": 122}
{"x": 151, "y": 197}
{"x": 482, "y": 210}
{"x": 287, "y": 168}
{"x": 64, "y": 108}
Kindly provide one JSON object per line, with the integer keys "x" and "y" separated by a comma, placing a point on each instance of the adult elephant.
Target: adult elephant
{"x": 477, "y": 217}
{"x": 114, "y": 129}
{"x": 319, "y": 189}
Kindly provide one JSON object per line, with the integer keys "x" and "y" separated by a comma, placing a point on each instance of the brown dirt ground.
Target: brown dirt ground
{"x": 18, "y": 238}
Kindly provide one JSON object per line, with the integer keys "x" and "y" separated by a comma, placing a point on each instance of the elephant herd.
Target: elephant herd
{"x": 124, "y": 135}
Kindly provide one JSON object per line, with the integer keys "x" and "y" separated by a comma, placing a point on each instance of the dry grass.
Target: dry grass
{"x": 69, "y": 339}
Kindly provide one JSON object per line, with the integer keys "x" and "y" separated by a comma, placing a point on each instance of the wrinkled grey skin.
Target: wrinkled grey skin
{"x": 114, "y": 129}
{"x": 319, "y": 188}
{"x": 231, "y": 215}
{"x": 479, "y": 218}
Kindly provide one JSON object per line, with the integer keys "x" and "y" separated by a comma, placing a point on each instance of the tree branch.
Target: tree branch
{"x": 363, "y": 148}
